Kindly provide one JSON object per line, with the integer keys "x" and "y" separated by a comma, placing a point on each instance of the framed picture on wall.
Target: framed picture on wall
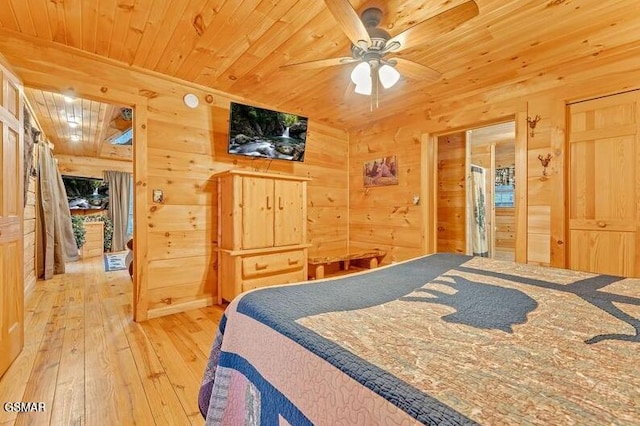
{"x": 381, "y": 171}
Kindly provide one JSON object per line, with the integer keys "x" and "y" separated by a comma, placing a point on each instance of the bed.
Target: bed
{"x": 441, "y": 339}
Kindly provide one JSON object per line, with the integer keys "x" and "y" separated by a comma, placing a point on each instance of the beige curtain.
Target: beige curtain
{"x": 119, "y": 196}
{"x": 56, "y": 244}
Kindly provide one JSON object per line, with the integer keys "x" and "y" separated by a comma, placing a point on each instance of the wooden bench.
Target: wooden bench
{"x": 371, "y": 259}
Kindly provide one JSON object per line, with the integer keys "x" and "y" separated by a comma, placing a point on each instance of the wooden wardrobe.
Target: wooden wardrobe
{"x": 262, "y": 231}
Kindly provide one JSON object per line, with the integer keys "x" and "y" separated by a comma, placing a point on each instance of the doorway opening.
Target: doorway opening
{"x": 91, "y": 142}
{"x": 476, "y": 211}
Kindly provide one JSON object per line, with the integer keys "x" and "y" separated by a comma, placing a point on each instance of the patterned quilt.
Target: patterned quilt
{"x": 442, "y": 339}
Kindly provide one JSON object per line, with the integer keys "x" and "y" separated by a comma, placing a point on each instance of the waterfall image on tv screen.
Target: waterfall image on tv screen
{"x": 262, "y": 133}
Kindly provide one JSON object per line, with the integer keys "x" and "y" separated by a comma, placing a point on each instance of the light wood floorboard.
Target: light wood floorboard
{"x": 91, "y": 364}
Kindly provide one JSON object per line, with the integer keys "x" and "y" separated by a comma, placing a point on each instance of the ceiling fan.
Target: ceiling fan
{"x": 372, "y": 45}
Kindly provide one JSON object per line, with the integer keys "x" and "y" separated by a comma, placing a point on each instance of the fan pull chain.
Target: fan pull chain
{"x": 375, "y": 82}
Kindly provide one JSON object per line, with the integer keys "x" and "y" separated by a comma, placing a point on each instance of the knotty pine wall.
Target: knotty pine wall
{"x": 176, "y": 150}
{"x": 543, "y": 239}
{"x": 90, "y": 166}
{"x": 385, "y": 217}
{"x": 30, "y": 265}
{"x": 30, "y": 231}
{"x": 451, "y": 225}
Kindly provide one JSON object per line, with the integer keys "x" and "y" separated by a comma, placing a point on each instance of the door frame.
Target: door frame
{"x": 140, "y": 204}
{"x": 429, "y": 182}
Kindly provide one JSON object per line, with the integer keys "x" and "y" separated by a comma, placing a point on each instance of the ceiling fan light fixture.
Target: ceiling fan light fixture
{"x": 364, "y": 88}
{"x": 361, "y": 74}
{"x": 389, "y": 76}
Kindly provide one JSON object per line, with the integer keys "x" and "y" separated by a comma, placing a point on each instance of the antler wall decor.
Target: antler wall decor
{"x": 533, "y": 122}
{"x": 545, "y": 163}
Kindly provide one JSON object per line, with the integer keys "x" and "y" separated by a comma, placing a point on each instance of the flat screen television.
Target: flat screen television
{"x": 263, "y": 133}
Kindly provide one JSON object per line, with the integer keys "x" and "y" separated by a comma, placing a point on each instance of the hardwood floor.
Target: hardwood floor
{"x": 91, "y": 364}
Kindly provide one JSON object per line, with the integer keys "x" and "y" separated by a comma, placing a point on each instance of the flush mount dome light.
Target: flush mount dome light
{"x": 73, "y": 122}
{"x": 191, "y": 100}
{"x": 68, "y": 95}
{"x": 75, "y": 138}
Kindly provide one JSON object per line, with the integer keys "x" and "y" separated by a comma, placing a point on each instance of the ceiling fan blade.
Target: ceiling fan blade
{"x": 319, "y": 63}
{"x": 349, "y": 21}
{"x": 415, "y": 70}
{"x": 437, "y": 25}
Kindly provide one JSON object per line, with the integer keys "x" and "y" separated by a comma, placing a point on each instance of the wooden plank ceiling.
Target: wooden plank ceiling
{"x": 80, "y": 127}
{"x": 239, "y": 46}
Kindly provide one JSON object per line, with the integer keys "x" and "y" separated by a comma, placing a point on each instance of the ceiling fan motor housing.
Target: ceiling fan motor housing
{"x": 371, "y": 18}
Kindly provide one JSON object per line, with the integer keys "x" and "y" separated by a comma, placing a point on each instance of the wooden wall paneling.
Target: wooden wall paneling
{"x": 90, "y": 166}
{"x": 177, "y": 244}
{"x": 470, "y": 118}
{"x": 165, "y": 160}
{"x": 179, "y": 217}
{"x": 115, "y": 152}
{"x": 326, "y": 163}
{"x": 428, "y": 191}
{"x": 539, "y": 199}
{"x": 558, "y": 171}
{"x": 182, "y": 138}
{"x": 30, "y": 265}
{"x": 549, "y": 132}
{"x": 177, "y": 271}
{"x": 184, "y": 190}
{"x": 30, "y": 233}
{"x": 177, "y": 164}
{"x": 384, "y": 217}
{"x": 452, "y": 201}
{"x": 547, "y": 191}
{"x": 505, "y": 233}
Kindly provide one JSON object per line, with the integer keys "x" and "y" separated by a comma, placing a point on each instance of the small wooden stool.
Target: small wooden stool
{"x": 370, "y": 258}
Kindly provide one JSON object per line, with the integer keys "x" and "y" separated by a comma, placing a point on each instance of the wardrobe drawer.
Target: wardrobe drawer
{"x": 268, "y": 264}
{"x": 269, "y": 280}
